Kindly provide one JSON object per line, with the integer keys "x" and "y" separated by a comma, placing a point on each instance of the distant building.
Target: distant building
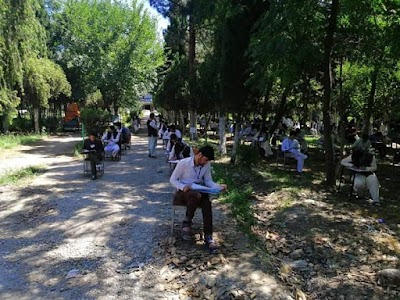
{"x": 147, "y": 102}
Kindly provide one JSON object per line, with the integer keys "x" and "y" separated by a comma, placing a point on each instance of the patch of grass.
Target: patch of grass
{"x": 21, "y": 175}
{"x": 237, "y": 195}
{"x": 312, "y": 140}
{"x": 78, "y": 149}
{"x": 10, "y": 141}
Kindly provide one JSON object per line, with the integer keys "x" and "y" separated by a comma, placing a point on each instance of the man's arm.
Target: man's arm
{"x": 347, "y": 161}
{"x": 153, "y": 124}
{"x": 174, "y": 179}
{"x": 208, "y": 181}
{"x": 104, "y": 137}
{"x": 373, "y": 165}
{"x": 285, "y": 145}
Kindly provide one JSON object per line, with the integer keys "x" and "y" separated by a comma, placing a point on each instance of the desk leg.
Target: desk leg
{"x": 340, "y": 178}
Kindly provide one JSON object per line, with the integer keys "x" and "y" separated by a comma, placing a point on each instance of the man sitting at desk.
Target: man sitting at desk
{"x": 180, "y": 150}
{"x": 94, "y": 149}
{"x": 196, "y": 170}
{"x": 291, "y": 146}
{"x": 363, "y": 164}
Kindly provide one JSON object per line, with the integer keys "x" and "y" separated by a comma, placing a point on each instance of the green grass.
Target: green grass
{"x": 237, "y": 195}
{"x": 11, "y": 141}
{"x": 20, "y": 176}
{"x": 78, "y": 149}
{"x": 311, "y": 140}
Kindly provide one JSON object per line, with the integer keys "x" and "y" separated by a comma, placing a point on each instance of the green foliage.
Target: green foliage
{"x": 95, "y": 120}
{"x": 20, "y": 176}
{"x": 237, "y": 195}
{"x": 10, "y": 141}
{"x": 21, "y": 124}
{"x": 107, "y": 46}
{"x": 247, "y": 155}
{"x": 78, "y": 149}
{"x": 21, "y": 37}
{"x": 52, "y": 124}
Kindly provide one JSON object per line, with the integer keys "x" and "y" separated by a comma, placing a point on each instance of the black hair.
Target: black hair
{"x": 208, "y": 152}
{"x": 361, "y": 158}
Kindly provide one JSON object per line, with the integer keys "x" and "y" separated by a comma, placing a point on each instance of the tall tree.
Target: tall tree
{"x": 108, "y": 46}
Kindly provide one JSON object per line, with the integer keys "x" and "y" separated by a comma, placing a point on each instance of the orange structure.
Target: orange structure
{"x": 72, "y": 112}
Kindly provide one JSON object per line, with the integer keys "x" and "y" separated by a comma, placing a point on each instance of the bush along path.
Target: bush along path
{"x": 65, "y": 236}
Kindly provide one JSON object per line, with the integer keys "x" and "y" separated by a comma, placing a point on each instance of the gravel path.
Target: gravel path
{"x": 115, "y": 231}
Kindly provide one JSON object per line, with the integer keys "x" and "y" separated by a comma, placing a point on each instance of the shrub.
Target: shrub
{"x": 247, "y": 155}
{"x": 95, "y": 120}
{"x": 21, "y": 124}
{"x": 52, "y": 124}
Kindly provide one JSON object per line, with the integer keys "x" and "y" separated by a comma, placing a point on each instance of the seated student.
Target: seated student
{"x": 362, "y": 143}
{"x": 135, "y": 124}
{"x": 180, "y": 150}
{"x": 365, "y": 161}
{"x": 112, "y": 137}
{"x": 300, "y": 138}
{"x": 126, "y": 136}
{"x": 263, "y": 138}
{"x": 196, "y": 170}
{"x": 165, "y": 136}
{"x": 94, "y": 149}
{"x": 171, "y": 142}
{"x": 292, "y": 147}
{"x": 174, "y": 130}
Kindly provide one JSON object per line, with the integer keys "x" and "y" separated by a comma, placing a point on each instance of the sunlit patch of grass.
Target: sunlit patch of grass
{"x": 237, "y": 195}
{"x": 78, "y": 149}
{"x": 20, "y": 176}
{"x": 10, "y": 141}
{"x": 311, "y": 140}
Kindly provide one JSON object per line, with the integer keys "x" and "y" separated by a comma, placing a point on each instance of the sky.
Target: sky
{"x": 162, "y": 22}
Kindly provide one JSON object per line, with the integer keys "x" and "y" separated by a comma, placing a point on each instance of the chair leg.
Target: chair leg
{"x": 173, "y": 220}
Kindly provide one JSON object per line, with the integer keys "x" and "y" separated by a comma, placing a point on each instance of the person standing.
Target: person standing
{"x": 152, "y": 133}
{"x": 94, "y": 149}
{"x": 196, "y": 170}
{"x": 292, "y": 147}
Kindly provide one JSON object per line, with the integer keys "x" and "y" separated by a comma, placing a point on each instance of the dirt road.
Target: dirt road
{"x": 65, "y": 236}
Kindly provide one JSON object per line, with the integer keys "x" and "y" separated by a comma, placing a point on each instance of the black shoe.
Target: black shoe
{"x": 94, "y": 177}
{"x": 211, "y": 245}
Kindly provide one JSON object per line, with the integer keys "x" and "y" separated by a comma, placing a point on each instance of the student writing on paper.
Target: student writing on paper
{"x": 196, "y": 170}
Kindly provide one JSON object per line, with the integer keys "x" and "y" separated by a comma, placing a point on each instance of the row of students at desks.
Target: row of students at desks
{"x": 176, "y": 150}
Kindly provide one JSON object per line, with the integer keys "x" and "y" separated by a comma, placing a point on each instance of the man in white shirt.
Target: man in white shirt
{"x": 196, "y": 170}
{"x": 364, "y": 165}
{"x": 152, "y": 132}
{"x": 292, "y": 147}
{"x": 176, "y": 131}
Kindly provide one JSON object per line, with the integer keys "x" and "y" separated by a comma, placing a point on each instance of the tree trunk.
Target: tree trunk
{"x": 371, "y": 100}
{"x": 342, "y": 109}
{"x": 222, "y": 135}
{"x": 192, "y": 74}
{"x": 237, "y": 138}
{"x": 327, "y": 83}
{"x": 36, "y": 117}
{"x": 281, "y": 111}
{"x": 266, "y": 102}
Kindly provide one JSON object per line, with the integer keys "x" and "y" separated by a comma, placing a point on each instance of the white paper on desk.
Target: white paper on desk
{"x": 174, "y": 161}
{"x": 205, "y": 189}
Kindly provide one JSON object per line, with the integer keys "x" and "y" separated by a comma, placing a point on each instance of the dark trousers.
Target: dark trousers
{"x": 95, "y": 158}
{"x": 192, "y": 200}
